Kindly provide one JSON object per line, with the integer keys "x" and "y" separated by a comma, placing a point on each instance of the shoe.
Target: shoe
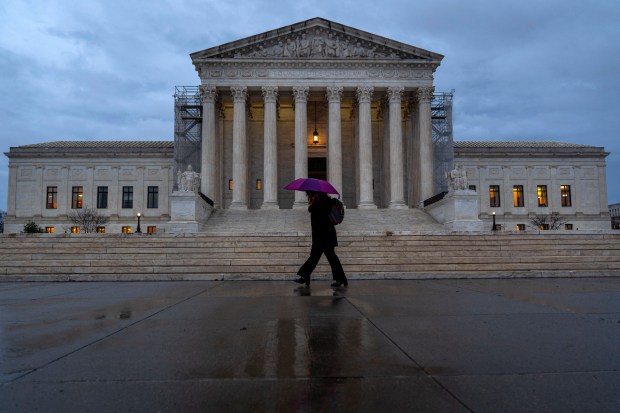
{"x": 342, "y": 283}
{"x": 303, "y": 280}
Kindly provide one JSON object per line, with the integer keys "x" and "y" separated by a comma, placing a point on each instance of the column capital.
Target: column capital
{"x": 300, "y": 93}
{"x": 208, "y": 93}
{"x": 395, "y": 94}
{"x": 270, "y": 94}
{"x": 239, "y": 93}
{"x": 425, "y": 94}
{"x": 334, "y": 94}
{"x": 364, "y": 94}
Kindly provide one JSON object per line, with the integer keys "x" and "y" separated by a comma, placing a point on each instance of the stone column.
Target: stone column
{"x": 334, "y": 138}
{"x": 270, "y": 185}
{"x": 397, "y": 194}
{"x": 300, "y": 94}
{"x": 425, "y": 162}
{"x": 366, "y": 200}
{"x": 208, "y": 160}
{"x": 240, "y": 149}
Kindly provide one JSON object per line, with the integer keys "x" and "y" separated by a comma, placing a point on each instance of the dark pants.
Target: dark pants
{"x": 313, "y": 260}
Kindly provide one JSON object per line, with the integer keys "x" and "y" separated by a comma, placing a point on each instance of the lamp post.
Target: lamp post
{"x": 138, "y": 231}
{"x": 494, "y": 226}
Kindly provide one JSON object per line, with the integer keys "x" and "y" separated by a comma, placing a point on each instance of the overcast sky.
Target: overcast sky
{"x": 106, "y": 69}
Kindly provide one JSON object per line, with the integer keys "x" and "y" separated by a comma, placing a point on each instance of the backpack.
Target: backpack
{"x": 336, "y": 214}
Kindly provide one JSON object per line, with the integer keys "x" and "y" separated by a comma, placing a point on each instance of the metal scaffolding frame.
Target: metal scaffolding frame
{"x": 187, "y": 128}
{"x": 443, "y": 148}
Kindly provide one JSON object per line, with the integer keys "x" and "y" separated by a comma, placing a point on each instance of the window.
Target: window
{"x": 101, "y": 230}
{"x": 568, "y": 226}
{"x": 151, "y": 201}
{"x": 52, "y": 197}
{"x": 520, "y": 227}
{"x": 230, "y": 184}
{"x": 75, "y": 230}
{"x": 259, "y": 184}
{"x": 565, "y": 191}
{"x": 128, "y": 197}
{"x": 517, "y": 195}
{"x": 102, "y": 197}
{"x": 472, "y": 188}
{"x": 49, "y": 230}
{"x": 494, "y": 196}
{"x": 76, "y": 197}
{"x": 126, "y": 230}
{"x": 151, "y": 229}
{"x": 544, "y": 227}
{"x": 542, "y": 195}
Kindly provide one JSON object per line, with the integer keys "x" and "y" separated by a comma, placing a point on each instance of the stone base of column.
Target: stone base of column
{"x": 366, "y": 205}
{"x": 270, "y": 205}
{"x": 238, "y": 205}
{"x": 398, "y": 205}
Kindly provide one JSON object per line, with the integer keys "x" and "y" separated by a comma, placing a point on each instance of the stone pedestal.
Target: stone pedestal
{"x": 188, "y": 212}
{"x": 458, "y": 211}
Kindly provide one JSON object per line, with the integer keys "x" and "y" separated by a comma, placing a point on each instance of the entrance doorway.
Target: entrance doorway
{"x": 317, "y": 168}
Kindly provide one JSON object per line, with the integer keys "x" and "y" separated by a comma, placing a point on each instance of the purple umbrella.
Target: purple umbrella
{"x": 311, "y": 184}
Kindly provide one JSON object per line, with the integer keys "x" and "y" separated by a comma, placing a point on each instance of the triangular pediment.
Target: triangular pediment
{"x": 316, "y": 39}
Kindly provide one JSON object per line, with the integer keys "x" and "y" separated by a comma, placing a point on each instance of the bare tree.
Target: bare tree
{"x": 2, "y": 215}
{"x": 552, "y": 222}
{"x": 88, "y": 219}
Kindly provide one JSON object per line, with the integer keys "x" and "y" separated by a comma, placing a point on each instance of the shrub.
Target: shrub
{"x": 32, "y": 228}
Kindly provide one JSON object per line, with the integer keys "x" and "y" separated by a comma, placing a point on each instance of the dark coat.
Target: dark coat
{"x": 323, "y": 231}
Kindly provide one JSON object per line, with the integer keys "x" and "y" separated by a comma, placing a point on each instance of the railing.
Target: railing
{"x": 434, "y": 198}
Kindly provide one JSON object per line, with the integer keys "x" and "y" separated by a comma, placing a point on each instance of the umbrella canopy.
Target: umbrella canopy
{"x": 311, "y": 184}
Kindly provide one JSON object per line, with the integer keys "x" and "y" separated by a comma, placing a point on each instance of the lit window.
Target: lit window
{"x": 520, "y": 227}
{"x": 544, "y": 227}
{"x": 52, "y": 197}
{"x": 49, "y": 230}
{"x": 259, "y": 184}
{"x": 152, "y": 201}
{"x": 126, "y": 230}
{"x": 102, "y": 197}
{"x": 151, "y": 229}
{"x": 568, "y": 226}
{"x": 128, "y": 197}
{"x": 565, "y": 191}
{"x": 517, "y": 194}
{"x": 76, "y": 197}
{"x": 101, "y": 230}
{"x": 494, "y": 200}
{"x": 75, "y": 230}
{"x": 230, "y": 184}
{"x": 542, "y": 195}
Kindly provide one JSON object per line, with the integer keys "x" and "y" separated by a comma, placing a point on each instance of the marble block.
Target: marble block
{"x": 458, "y": 211}
{"x": 189, "y": 212}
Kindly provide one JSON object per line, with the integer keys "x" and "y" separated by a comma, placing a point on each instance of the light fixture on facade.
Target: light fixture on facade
{"x": 138, "y": 231}
{"x": 315, "y": 134}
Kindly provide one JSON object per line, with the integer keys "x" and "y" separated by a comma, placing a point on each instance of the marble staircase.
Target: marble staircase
{"x": 227, "y": 253}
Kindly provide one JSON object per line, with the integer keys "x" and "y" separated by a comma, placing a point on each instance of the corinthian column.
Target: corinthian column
{"x": 397, "y": 193}
{"x": 366, "y": 200}
{"x": 208, "y": 160}
{"x": 270, "y": 191}
{"x": 334, "y": 140}
{"x": 240, "y": 149}
{"x": 300, "y": 94}
{"x": 425, "y": 128}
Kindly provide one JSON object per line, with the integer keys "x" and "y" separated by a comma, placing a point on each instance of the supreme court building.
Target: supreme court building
{"x": 314, "y": 99}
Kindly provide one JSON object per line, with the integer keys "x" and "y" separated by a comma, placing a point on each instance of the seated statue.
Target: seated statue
{"x": 457, "y": 179}
{"x": 188, "y": 181}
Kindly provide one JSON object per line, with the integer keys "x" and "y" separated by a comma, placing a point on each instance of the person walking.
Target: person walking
{"x": 324, "y": 240}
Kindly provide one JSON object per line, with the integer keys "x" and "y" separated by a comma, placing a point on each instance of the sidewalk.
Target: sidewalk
{"x": 522, "y": 345}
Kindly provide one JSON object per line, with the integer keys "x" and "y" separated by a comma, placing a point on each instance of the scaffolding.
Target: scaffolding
{"x": 188, "y": 132}
{"x": 443, "y": 148}
{"x": 187, "y": 128}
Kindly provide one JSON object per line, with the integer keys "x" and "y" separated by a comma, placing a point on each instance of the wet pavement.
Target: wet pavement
{"x": 522, "y": 345}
